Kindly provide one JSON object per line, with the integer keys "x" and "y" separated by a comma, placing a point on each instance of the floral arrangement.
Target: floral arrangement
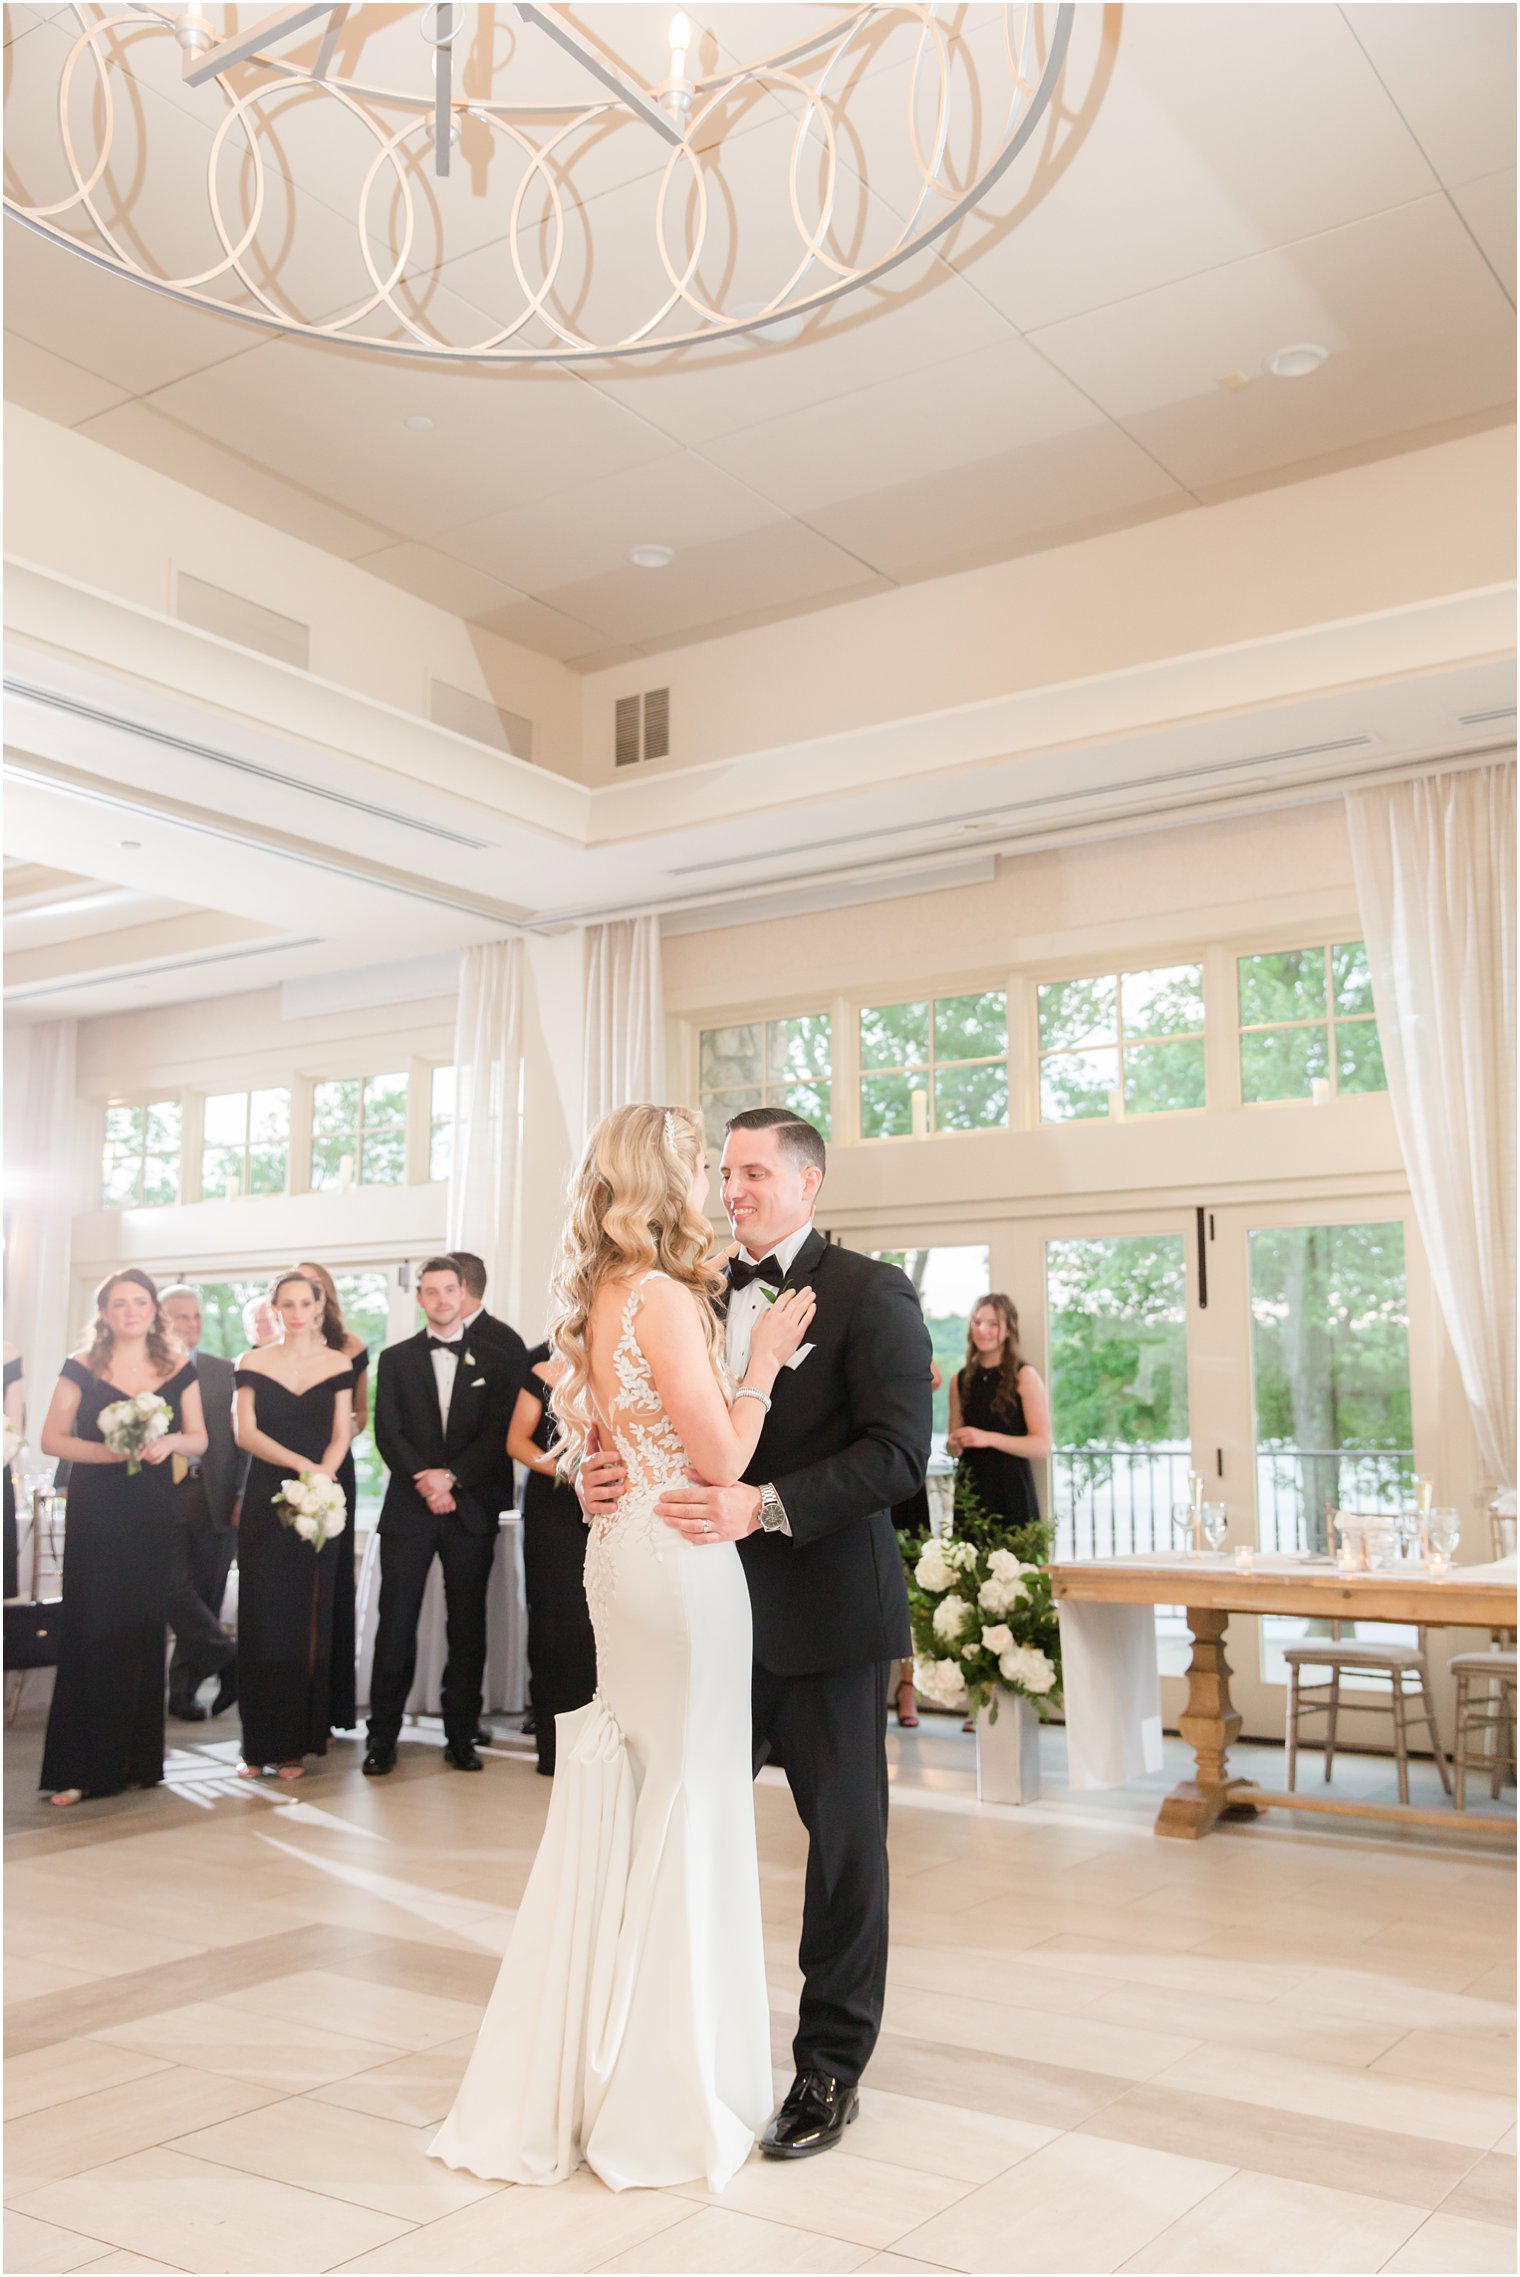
{"x": 129, "y": 1425}
{"x": 984, "y": 1621}
{"x": 313, "y": 1505}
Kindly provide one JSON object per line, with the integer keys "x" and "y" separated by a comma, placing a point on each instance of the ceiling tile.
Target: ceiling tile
{"x": 432, "y": 576}
{"x": 1001, "y": 399}
{"x": 332, "y": 418}
{"x": 1047, "y": 493}
{"x": 139, "y": 432}
{"x": 758, "y": 569}
{"x": 51, "y": 386}
{"x": 1202, "y": 134}
{"x": 588, "y": 531}
{"x": 1418, "y": 330}
{"x": 1450, "y": 67}
{"x": 1488, "y": 208}
{"x": 134, "y": 338}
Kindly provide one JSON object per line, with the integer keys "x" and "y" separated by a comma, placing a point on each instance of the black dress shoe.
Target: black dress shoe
{"x": 187, "y": 1711}
{"x": 462, "y": 1757}
{"x": 378, "y": 1762}
{"x": 814, "y": 2115}
{"x": 484, "y": 1738}
{"x": 226, "y": 1696}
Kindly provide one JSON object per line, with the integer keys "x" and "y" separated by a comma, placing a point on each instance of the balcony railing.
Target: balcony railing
{"x": 1114, "y": 1502}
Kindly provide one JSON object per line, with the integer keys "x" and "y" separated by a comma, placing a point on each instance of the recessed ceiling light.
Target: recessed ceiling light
{"x": 419, "y": 423}
{"x": 1298, "y": 361}
{"x": 652, "y": 557}
{"x": 131, "y": 845}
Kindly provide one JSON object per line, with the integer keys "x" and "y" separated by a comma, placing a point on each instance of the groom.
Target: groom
{"x": 846, "y": 1438}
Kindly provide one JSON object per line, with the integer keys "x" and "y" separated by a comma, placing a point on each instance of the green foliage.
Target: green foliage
{"x": 1330, "y": 1341}
{"x": 1287, "y": 984}
{"x": 1118, "y": 1341}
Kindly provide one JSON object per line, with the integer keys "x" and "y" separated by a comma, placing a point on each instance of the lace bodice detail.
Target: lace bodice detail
{"x": 646, "y": 1438}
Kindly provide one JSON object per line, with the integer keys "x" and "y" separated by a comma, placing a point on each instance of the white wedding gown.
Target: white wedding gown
{"x": 629, "y": 2027}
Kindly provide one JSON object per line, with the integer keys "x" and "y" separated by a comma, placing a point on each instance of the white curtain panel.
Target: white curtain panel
{"x": 485, "y": 1177}
{"x": 624, "y": 1057}
{"x": 42, "y": 1178}
{"x": 1435, "y": 875}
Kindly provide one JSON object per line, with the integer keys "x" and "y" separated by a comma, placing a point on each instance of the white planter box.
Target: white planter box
{"x": 1008, "y": 1752}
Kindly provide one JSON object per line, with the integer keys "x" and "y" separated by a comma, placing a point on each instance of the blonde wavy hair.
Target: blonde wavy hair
{"x": 629, "y": 1212}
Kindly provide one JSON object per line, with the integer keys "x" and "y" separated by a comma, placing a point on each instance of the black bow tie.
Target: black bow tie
{"x": 741, "y": 1272}
{"x": 454, "y": 1344}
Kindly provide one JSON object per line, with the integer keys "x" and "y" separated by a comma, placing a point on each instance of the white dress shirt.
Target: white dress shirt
{"x": 744, "y": 1304}
{"x": 445, "y": 1369}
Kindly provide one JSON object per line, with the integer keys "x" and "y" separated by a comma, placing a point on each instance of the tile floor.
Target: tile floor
{"x": 234, "y": 2016}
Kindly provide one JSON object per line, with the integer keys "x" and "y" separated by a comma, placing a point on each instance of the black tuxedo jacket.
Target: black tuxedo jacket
{"x": 223, "y": 1466}
{"x": 504, "y": 1340}
{"x": 846, "y": 1438}
{"x": 410, "y": 1435}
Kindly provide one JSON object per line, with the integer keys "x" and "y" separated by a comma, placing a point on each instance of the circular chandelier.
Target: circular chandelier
{"x": 379, "y": 177}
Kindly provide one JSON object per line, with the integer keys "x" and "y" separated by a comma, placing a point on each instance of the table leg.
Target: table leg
{"x": 1209, "y": 1724}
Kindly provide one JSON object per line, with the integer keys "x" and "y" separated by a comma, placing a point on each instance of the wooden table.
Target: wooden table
{"x": 1211, "y": 1589}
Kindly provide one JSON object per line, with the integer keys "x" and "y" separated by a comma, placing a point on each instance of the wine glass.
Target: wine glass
{"x": 1182, "y": 1525}
{"x": 1442, "y": 1530}
{"x": 1215, "y": 1520}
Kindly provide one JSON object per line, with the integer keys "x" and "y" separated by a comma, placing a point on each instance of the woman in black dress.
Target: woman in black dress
{"x": 561, "y": 1647}
{"x": 15, "y": 1413}
{"x": 106, "y": 1725}
{"x": 999, "y": 1417}
{"x": 344, "y": 1713}
{"x": 294, "y": 1413}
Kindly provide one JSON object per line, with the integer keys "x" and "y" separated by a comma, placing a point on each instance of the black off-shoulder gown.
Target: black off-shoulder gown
{"x": 561, "y": 1647}
{"x": 344, "y": 1711}
{"x": 286, "y": 1589}
{"x": 106, "y": 1725}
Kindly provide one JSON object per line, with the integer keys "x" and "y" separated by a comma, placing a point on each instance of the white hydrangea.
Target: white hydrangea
{"x": 999, "y": 1639}
{"x": 1028, "y": 1668}
{"x": 999, "y": 1595}
{"x": 951, "y": 1615}
{"x": 942, "y": 1682}
{"x": 931, "y": 1571}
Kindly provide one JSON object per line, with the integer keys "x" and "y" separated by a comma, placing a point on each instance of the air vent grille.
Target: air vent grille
{"x": 641, "y": 727}
{"x": 480, "y": 720}
{"x": 1486, "y": 719}
{"x": 214, "y": 610}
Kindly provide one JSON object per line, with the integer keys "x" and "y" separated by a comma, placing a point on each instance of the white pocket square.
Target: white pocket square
{"x": 478, "y": 1383}
{"x": 799, "y": 1355}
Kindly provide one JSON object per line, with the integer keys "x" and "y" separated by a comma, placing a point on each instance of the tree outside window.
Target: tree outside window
{"x": 245, "y": 1144}
{"x": 1306, "y": 1016}
{"x": 1130, "y": 1036}
{"x": 140, "y": 1159}
{"x": 441, "y": 1123}
{"x": 767, "y": 1063}
{"x": 939, "y": 1064}
{"x": 358, "y": 1132}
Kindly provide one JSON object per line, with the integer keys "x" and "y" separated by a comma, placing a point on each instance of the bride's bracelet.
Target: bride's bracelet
{"x": 748, "y": 1391}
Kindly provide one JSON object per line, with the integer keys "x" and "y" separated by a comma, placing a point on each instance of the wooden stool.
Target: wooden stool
{"x": 1484, "y": 1719}
{"x": 1393, "y": 1661}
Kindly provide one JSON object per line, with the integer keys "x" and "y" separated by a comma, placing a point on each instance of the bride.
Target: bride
{"x": 629, "y": 2027}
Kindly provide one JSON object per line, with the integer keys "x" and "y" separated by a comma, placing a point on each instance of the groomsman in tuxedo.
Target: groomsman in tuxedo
{"x": 443, "y": 1400}
{"x": 206, "y": 1494}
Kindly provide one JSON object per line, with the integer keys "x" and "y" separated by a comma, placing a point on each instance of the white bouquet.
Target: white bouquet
{"x": 313, "y": 1505}
{"x": 129, "y": 1425}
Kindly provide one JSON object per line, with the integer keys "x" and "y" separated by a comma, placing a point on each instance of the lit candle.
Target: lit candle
{"x": 234, "y": 1186}
{"x": 1319, "y": 1085}
{"x": 1116, "y": 1106}
{"x": 920, "y": 1102}
{"x": 1245, "y": 1558}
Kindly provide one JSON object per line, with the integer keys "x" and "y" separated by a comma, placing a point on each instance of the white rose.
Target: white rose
{"x": 1029, "y": 1668}
{"x": 999, "y": 1639}
{"x": 1005, "y": 1566}
{"x": 950, "y": 1617}
{"x": 306, "y": 1527}
{"x": 931, "y": 1571}
{"x": 1000, "y": 1596}
{"x": 960, "y": 1555}
{"x": 942, "y": 1682}
{"x": 337, "y": 1518}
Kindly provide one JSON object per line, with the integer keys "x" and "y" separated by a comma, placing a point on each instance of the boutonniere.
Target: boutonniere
{"x": 467, "y": 1360}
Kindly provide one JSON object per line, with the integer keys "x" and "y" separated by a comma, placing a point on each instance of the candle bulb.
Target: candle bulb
{"x": 920, "y": 1105}
{"x": 1319, "y": 1086}
{"x": 345, "y": 1173}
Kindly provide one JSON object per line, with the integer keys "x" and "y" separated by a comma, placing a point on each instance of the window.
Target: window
{"x": 441, "y": 1123}
{"x": 140, "y": 1160}
{"x": 245, "y": 1145}
{"x": 767, "y": 1063}
{"x": 358, "y": 1132}
{"x": 1135, "y": 1036}
{"x": 941, "y": 1064}
{"x": 1306, "y": 1017}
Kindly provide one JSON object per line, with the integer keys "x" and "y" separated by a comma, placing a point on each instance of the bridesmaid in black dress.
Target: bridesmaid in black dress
{"x": 561, "y": 1647}
{"x": 999, "y": 1417}
{"x": 345, "y": 1651}
{"x": 15, "y": 1412}
{"x": 294, "y": 1413}
{"x": 106, "y": 1725}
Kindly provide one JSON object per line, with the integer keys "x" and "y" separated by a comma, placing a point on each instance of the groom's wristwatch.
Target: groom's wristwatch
{"x": 773, "y": 1517}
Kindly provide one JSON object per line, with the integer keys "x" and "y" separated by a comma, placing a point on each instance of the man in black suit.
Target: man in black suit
{"x": 847, "y": 1436}
{"x": 206, "y": 1494}
{"x": 443, "y": 1400}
